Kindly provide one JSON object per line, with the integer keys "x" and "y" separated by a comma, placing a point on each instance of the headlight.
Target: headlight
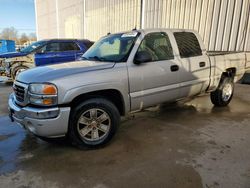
{"x": 43, "y": 94}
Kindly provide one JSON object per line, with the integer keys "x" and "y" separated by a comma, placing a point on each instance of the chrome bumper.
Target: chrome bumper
{"x": 46, "y": 122}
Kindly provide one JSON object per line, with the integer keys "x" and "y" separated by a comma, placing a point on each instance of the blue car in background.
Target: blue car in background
{"x": 41, "y": 53}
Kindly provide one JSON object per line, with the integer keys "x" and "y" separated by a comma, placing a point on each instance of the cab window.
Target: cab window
{"x": 188, "y": 44}
{"x": 158, "y": 46}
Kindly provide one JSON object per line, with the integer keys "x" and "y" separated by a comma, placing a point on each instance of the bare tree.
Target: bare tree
{"x": 32, "y": 37}
{"x": 24, "y": 38}
{"x": 9, "y": 34}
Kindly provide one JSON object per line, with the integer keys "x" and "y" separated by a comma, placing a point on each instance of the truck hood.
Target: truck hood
{"x": 53, "y": 72}
{"x": 12, "y": 54}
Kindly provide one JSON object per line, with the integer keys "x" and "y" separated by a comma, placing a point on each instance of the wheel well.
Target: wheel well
{"x": 17, "y": 64}
{"x": 230, "y": 72}
{"x": 110, "y": 94}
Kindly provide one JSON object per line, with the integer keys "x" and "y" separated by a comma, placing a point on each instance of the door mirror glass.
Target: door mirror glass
{"x": 142, "y": 57}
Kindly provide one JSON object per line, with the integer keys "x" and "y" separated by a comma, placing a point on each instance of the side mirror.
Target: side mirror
{"x": 142, "y": 57}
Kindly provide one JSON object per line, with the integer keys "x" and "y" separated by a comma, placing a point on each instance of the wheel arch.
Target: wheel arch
{"x": 230, "y": 72}
{"x": 14, "y": 66}
{"x": 112, "y": 95}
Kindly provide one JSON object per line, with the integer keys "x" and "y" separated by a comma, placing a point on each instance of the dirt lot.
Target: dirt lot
{"x": 187, "y": 145}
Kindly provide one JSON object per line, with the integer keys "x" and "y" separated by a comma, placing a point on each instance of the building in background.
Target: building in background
{"x": 223, "y": 24}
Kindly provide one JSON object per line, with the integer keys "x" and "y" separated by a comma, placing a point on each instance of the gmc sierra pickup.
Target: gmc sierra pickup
{"x": 121, "y": 73}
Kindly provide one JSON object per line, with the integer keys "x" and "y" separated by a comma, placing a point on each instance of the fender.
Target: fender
{"x": 12, "y": 63}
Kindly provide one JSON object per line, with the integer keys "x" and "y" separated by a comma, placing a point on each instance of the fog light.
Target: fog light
{"x": 48, "y": 114}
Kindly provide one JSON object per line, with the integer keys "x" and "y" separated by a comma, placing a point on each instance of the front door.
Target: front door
{"x": 48, "y": 54}
{"x": 156, "y": 81}
{"x": 69, "y": 51}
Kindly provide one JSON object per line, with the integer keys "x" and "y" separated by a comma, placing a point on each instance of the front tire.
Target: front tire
{"x": 93, "y": 123}
{"x": 224, "y": 93}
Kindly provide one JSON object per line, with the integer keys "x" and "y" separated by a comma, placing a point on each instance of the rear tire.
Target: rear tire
{"x": 93, "y": 123}
{"x": 224, "y": 93}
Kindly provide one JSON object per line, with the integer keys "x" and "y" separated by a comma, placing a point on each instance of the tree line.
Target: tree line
{"x": 13, "y": 34}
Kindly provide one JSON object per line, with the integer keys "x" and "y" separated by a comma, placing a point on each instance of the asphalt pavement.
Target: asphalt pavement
{"x": 183, "y": 145}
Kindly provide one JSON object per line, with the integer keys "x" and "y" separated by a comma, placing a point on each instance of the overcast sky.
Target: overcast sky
{"x": 19, "y": 14}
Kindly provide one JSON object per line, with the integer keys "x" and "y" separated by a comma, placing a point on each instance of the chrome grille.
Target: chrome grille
{"x": 20, "y": 91}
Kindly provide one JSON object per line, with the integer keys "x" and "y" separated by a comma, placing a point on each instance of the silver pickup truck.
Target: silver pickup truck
{"x": 121, "y": 73}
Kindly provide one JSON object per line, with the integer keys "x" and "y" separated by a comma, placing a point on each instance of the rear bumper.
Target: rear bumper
{"x": 46, "y": 122}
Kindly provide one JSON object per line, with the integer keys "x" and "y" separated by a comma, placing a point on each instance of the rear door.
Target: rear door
{"x": 195, "y": 69}
{"x": 157, "y": 81}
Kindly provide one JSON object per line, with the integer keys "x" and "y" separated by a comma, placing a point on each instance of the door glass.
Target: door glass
{"x": 158, "y": 46}
{"x": 69, "y": 46}
{"x": 51, "y": 47}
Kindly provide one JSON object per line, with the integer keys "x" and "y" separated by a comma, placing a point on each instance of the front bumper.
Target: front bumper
{"x": 46, "y": 122}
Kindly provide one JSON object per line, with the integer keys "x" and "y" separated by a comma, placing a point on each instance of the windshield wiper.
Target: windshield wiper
{"x": 84, "y": 58}
{"x": 101, "y": 59}
{"x": 97, "y": 58}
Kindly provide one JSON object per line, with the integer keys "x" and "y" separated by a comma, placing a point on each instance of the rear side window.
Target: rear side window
{"x": 188, "y": 44}
{"x": 69, "y": 46}
{"x": 158, "y": 46}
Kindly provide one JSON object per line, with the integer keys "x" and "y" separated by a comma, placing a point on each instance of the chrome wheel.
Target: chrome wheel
{"x": 93, "y": 124}
{"x": 227, "y": 92}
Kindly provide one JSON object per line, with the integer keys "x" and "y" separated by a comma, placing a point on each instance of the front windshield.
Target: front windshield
{"x": 33, "y": 47}
{"x": 112, "y": 48}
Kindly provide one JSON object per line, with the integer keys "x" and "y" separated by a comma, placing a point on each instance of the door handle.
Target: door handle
{"x": 202, "y": 64}
{"x": 174, "y": 68}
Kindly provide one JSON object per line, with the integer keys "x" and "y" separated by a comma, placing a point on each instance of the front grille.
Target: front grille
{"x": 19, "y": 93}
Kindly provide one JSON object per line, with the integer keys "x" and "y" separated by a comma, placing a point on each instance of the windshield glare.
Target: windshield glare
{"x": 112, "y": 48}
{"x": 33, "y": 47}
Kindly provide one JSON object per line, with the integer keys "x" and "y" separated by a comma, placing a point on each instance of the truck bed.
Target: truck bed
{"x": 221, "y": 61}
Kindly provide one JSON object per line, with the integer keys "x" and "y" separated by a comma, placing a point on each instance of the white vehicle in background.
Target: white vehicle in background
{"x": 120, "y": 74}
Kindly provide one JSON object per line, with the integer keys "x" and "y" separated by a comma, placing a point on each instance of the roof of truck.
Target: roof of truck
{"x": 165, "y": 29}
{"x": 150, "y": 30}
